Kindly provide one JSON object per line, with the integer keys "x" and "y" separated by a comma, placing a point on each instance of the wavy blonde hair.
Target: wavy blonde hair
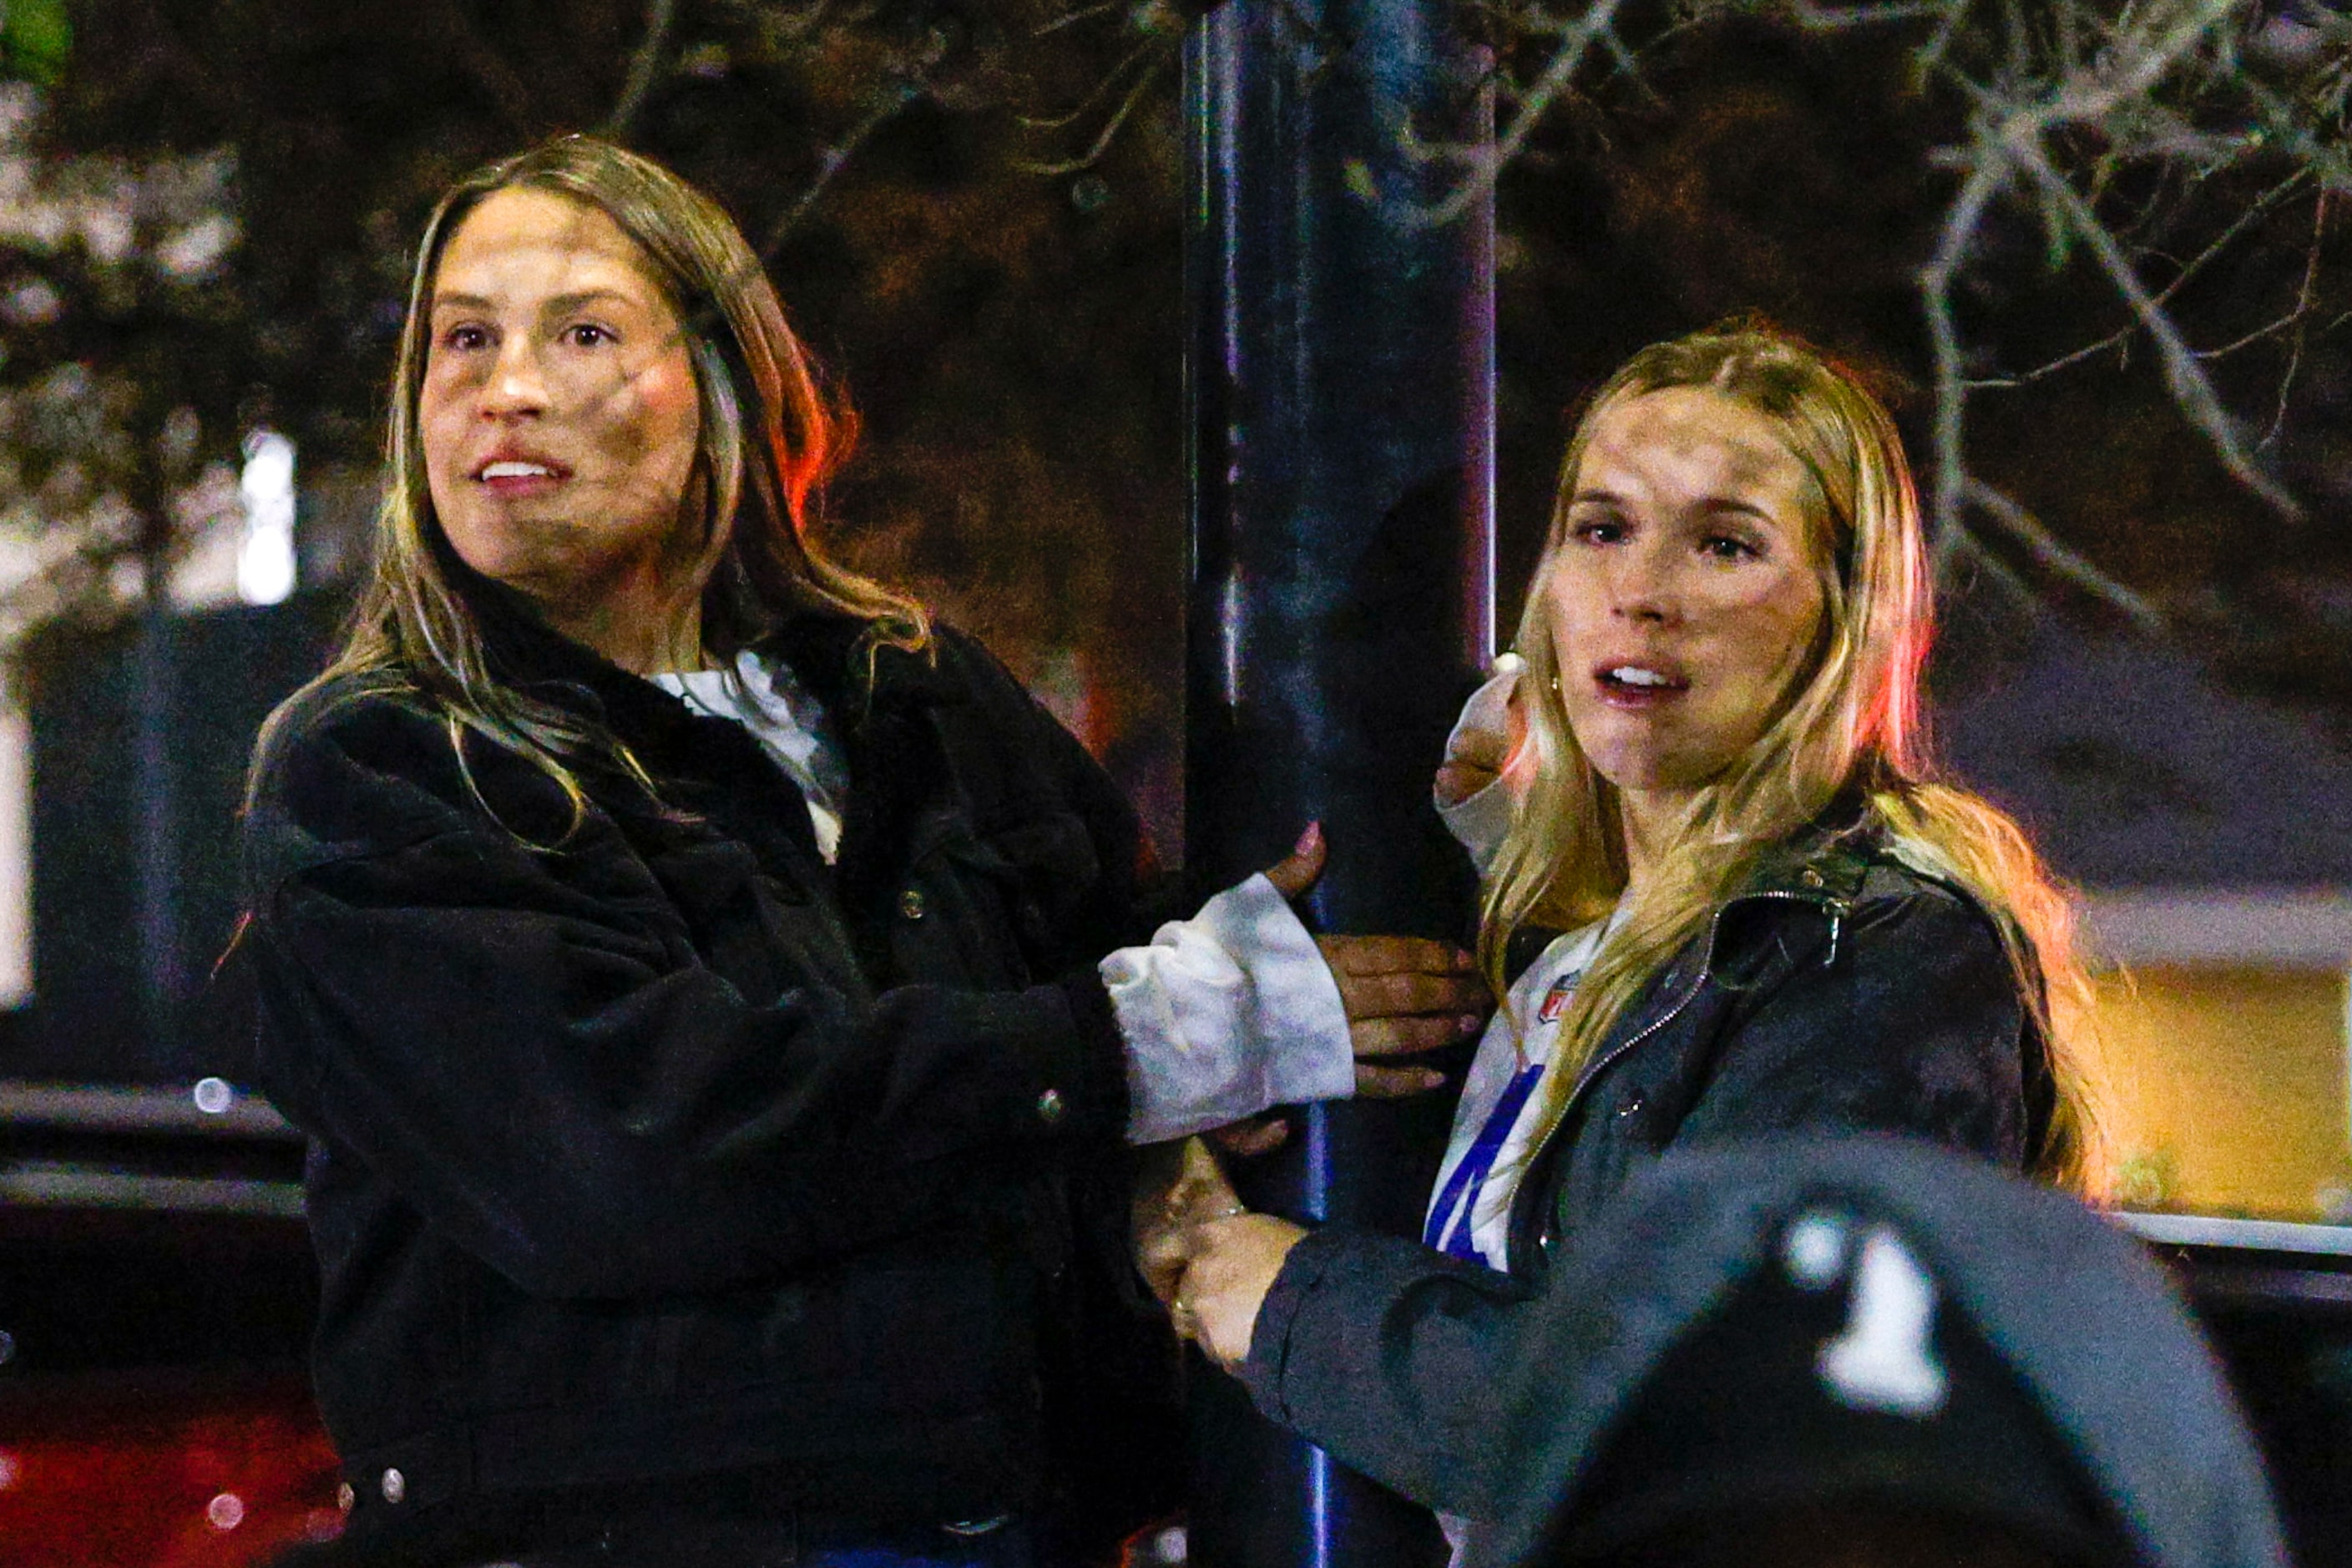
{"x": 1851, "y": 725}
{"x": 769, "y": 436}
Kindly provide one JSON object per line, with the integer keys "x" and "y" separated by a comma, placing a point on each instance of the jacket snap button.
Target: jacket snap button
{"x": 1809, "y": 877}
{"x": 395, "y": 1486}
{"x": 1051, "y": 1107}
{"x": 911, "y": 905}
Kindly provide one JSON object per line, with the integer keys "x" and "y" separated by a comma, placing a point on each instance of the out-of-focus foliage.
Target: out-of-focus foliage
{"x": 972, "y": 208}
{"x": 36, "y": 35}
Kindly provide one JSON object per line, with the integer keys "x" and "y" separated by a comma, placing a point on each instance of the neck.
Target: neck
{"x": 642, "y": 639}
{"x": 1646, "y": 820}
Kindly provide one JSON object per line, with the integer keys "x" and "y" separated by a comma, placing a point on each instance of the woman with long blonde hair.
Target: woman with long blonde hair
{"x": 1703, "y": 787}
{"x": 700, "y": 974}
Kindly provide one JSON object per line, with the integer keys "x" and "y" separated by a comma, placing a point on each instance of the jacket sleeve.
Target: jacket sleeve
{"x": 1906, "y": 1017}
{"x": 1390, "y": 1356}
{"x": 526, "y": 1046}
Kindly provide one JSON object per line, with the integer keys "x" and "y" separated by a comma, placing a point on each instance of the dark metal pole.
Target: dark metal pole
{"x": 1341, "y": 376}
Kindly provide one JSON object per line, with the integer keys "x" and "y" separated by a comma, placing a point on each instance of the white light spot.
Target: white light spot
{"x": 1814, "y": 1251}
{"x": 225, "y": 1512}
{"x": 34, "y": 304}
{"x": 1171, "y": 1545}
{"x": 1883, "y": 1360}
{"x": 12, "y": 1471}
{"x": 264, "y": 567}
{"x": 197, "y": 249}
{"x": 213, "y": 1096}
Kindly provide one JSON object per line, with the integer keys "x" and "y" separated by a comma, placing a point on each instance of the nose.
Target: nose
{"x": 517, "y": 386}
{"x": 1643, "y": 585}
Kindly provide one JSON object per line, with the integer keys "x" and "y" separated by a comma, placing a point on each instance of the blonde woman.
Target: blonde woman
{"x": 698, "y": 973}
{"x": 1771, "y": 918}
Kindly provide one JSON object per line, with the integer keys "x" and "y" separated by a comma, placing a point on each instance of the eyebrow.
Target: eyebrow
{"x": 1711, "y": 504}
{"x": 555, "y": 306}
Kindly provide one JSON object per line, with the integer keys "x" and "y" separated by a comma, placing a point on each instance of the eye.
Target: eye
{"x": 465, "y": 337}
{"x": 586, "y": 335}
{"x": 1729, "y": 547}
{"x": 1601, "y": 529}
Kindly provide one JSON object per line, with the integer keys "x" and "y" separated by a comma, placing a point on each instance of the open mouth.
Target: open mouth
{"x": 508, "y": 476}
{"x": 1638, "y": 685}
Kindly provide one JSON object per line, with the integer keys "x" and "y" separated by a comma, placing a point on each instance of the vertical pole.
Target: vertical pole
{"x": 1340, "y": 375}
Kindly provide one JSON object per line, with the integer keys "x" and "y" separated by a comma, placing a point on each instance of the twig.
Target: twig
{"x": 2055, "y": 556}
{"x": 1986, "y": 179}
{"x": 831, "y": 159}
{"x": 1094, "y": 155}
{"x": 2255, "y": 212}
{"x": 2303, "y": 304}
{"x": 1487, "y": 162}
{"x": 661, "y": 15}
{"x": 2191, "y": 389}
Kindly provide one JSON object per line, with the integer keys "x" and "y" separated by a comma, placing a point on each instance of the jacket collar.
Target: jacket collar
{"x": 825, "y": 650}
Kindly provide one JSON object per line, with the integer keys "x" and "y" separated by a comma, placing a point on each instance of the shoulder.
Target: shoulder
{"x": 1863, "y": 896}
{"x": 361, "y": 764}
{"x": 967, "y": 669}
{"x": 334, "y": 727}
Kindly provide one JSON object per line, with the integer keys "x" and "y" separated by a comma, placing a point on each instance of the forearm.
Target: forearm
{"x": 1389, "y": 1356}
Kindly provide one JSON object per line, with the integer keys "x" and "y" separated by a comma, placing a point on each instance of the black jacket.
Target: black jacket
{"x": 652, "y": 1147}
{"x": 1844, "y": 992}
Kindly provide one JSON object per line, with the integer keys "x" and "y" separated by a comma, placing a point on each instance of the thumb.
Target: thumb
{"x": 1297, "y": 873}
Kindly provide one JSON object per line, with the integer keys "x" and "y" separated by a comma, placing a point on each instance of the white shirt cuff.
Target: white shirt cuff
{"x": 1481, "y": 819}
{"x": 1227, "y": 1014}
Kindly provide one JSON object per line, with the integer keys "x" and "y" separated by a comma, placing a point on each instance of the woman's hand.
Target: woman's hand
{"x": 1179, "y": 1186}
{"x": 1493, "y": 724}
{"x": 1403, "y": 995}
{"x": 1231, "y": 1264}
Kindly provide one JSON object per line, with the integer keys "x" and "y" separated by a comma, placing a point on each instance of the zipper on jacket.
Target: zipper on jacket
{"x": 1548, "y": 1231}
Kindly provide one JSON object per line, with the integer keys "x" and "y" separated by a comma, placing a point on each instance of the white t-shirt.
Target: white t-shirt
{"x": 1224, "y": 1015}
{"x": 1502, "y": 1096}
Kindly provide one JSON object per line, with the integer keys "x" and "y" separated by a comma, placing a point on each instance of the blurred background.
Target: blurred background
{"x": 2123, "y": 362}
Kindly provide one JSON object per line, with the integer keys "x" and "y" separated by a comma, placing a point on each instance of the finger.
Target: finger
{"x": 1296, "y": 872}
{"x": 1396, "y": 995}
{"x": 1478, "y": 749}
{"x": 1457, "y": 781}
{"x": 1248, "y": 1139}
{"x": 1393, "y": 955}
{"x": 1395, "y": 1083}
{"x": 1407, "y": 1036}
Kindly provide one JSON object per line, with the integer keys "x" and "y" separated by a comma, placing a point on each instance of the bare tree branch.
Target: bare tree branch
{"x": 2255, "y": 212}
{"x": 645, "y": 68}
{"x": 2054, "y": 556}
{"x": 892, "y": 103}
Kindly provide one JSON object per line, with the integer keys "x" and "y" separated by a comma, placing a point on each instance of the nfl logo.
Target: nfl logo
{"x": 1555, "y": 1000}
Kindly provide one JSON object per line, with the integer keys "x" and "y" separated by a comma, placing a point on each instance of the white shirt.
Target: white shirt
{"x": 1224, "y": 1015}
{"x": 1478, "y": 1209}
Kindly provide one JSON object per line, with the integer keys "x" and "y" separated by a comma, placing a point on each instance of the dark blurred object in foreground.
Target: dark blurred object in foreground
{"x": 1873, "y": 1342}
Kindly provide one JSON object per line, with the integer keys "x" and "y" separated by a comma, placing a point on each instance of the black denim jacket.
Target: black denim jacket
{"x": 653, "y": 1151}
{"x": 1843, "y": 993}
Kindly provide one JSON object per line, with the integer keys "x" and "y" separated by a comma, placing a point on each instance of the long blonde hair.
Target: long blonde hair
{"x": 1851, "y": 726}
{"x": 769, "y": 436}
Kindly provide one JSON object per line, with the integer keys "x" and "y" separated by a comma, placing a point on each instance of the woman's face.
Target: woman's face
{"x": 1683, "y": 595}
{"x": 559, "y": 416}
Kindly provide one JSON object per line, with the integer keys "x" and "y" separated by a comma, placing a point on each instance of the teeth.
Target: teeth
{"x": 518, "y": 471}
{"x": 1634, "y": 675}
